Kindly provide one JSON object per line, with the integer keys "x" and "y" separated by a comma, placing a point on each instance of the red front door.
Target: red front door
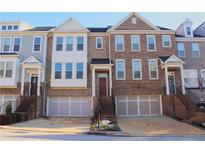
{"x": 102, "y": 86}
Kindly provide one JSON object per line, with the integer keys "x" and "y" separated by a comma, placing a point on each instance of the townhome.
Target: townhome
{"x": 191, "y": 49}
{"x": 22, "y": 61}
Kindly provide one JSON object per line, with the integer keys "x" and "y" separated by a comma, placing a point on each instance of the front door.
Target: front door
{"x": 171, "y": 79}
{"x": 102, "y": 86}
{"x": 33, "y": 88}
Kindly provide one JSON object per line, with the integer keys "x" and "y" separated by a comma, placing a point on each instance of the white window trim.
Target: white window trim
{"x": 123, "y": 43}
{"x": 10, "y": 45}
{"x": 76, "y": 70}
{"x": 101, "y": 42}
{"x": 178, "y": 50}
{"x": 34, "y": 43}
{"x": 77, "y": 43}
{"x": 1, "y": 44}
{"x": 154, "y": 43}
{"x": 66, "y": 43}
{"x": 193, "y": 50}
{"x": 202, "y": 73}
{"x": 191, "y": 32}
{"x": 4, "y": 73}
{"x": 63, "y": 44}
{"x": 157, "y": 69}
{"x": 71, "y": 70}
{"x": 14, "y": 44}
{"x": 170, "y": 42}
{"x": 133, "y": 74}
{"x": 54, "y": 76}
{"x": 132, "y": 43}
{"x": 116, "y": 70}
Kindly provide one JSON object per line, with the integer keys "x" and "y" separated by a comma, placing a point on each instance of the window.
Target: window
{"x": 58, "y": 67}
{"x": 9, "y": 66}
{"x": 99, "y": 42}
{"x": 181, "y": 49}
{"x": 3, "y": 28}
{"x": 37, "y": 44}
{"x": 119, "y": 43}
{"x": 134, "y": 20}
{"x": 69, "y": 44}
{"x": 188, "y": 31}
{"x": 79, "y": 71}
{"x": 9, "y": 27}
{"x": 136, "y": 69}
{"x": 17, "y": 43}
{"x": 151, "y": 44}
{"x": 120, "y": 69}
{"x": 69, "y": 70}
{"x": 195, "y": 50}
{"x": 16, "y": 27}
{"x": 6, "y": 44}
{"x": 135, "y": 43}
{"x": 0, "y": 43}
{"x": 80, "y": 43}
{"x": 153, "y": 69}
{"x": 166, "y": 41}
{"x": 2, "y": 69}
{"x": 59, "y": 43}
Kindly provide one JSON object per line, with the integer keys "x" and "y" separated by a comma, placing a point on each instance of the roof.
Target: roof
{"x": 8, "y": 53}
{"x": 44, "y": 28}
{"x": 163, "y": 28}
{"x": 100, "y": 61}
{"x": 98, "y": 29}
{"x": 194, "y": 35}
{"x": 164, "y": 58}
{"x": 200, "y": 26}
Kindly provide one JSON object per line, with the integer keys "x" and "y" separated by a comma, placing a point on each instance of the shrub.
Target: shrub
{"x": 9, "y": 109}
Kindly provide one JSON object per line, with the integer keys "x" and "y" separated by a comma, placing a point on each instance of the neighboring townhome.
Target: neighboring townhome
{"x": 191, "y": 49}
{"x": 22, "y": 62}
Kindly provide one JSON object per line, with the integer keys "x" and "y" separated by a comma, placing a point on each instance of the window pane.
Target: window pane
{"x": 9, "y": 27}
{"x": 135, "y": 43}
{"x": 120, "y": 69}
{"x": 99, "y": 43}
{"x": 7, "y": 42}
{"x": 151, "y": 43}
{"x": 188, "y": 29}
{"x": 166, "y": 41}
{"x": 17, "y": 42}
{"x": 58, "y": 71}
{"x": 153, "y": 69}
{"x": 59, "y": 44}
{"x": 69, "y": 45}
{"x": 3, "y": 27}
{"x": 195, "y": 50}
{"x": 2, "y": 69}
{"x": 80, "y": 42}
{"x": 181, "y": 50}
{"x": 79, "y": 70}
{"x": 15, "y": 27}
{"x": 37, "y": 43}
{"x": 9, "y": 66}
{"x": 69, "y": 71}
{"x": 137, "y": 69}
{"x": 119, "y": 43}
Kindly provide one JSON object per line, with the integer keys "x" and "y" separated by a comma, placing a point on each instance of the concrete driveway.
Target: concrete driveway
{"x": 158, "y": 125}
{"x": 53, "y": 125}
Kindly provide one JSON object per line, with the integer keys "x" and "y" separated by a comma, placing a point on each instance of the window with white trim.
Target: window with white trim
{"x": 59, "y": 43}
{"x": 3, "y": 27}
{"x": 137, "y": 69}
{"x": 153, "y": 69}
{"x": 80, "y": 43}
{"x": 69, "y": 43}
{"x": 79, "y": 73}
{"x": 188, "y": 31}
{"x": 1, "y": 43}
{"x": 166, "y": 40}
{"x": 99, "y": 42}
{"x": 119, "y": 43}
{"x": 195, "y": 50}
{"x": 120, "y": 69}
{"x": 135, "y": 43}
{"x": 16, "y": 44}
{"x": 151, "y": 43}
{"x": 2, "y": 69}
{"x": 58, "y": 70}
{"x": 181, "y": 49}
{"x": 6, "y": 69}
{"x": 16, "y": 27}
{"x": 69, "y": 70}
{"x": 10, "y": 27}
{"x": 6, "y": 44}
{"x": 37, "y": 44}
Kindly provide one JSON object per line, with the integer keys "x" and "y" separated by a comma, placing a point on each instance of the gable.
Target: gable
{"x": 31, "y": 59}
{"x": 173, "y": 58}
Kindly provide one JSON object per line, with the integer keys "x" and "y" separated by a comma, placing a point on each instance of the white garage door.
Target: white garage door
{"x": 138, "y": 105}
{"x": 69, "y": 106}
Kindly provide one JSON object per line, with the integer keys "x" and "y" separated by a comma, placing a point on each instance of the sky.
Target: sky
{"x": 100, "y": 19}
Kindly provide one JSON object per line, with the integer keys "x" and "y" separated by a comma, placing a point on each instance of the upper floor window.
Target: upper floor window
{"x": 188, "y": 31}
{"x": 58, "y": 70}
{"x": 151, "y": 43}
{"x": 119, "y": 43}
{"x": 59, "y": 43}
{"x": 69, "y": 43}
{"x": 37, "y": 44}
{"x": 120, "y": 69}
{"x": 136, "y": 69}
{"x": 6, "y": 69}
{"x": 153, "y": 69}
{"x": 3, "y": 28}
{"x": 79, "y": 74}
{"x": 16, "y": 27}
{"x": 99, "y": 42}
{"x": 166, "y": 41}
{"x": 6, "y": 44}
{"x": 16, "y": 44}
{"x": 195, "y": 50}
{"x": 135, "y": 43}
{"x": 0, "y": 43}
{"x": 10, "y": 27}
{"x": 181, "y": 49}
{"x": 80, "y": 43}
{"x": 69, "y": 70}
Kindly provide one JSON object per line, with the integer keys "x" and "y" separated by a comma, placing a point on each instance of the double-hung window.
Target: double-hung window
{"x": 37, "y": 44}
{"x": 2, "y": 69}
{"x": 80, "y": 43}
{"x": 99, "y": 42}
{"x": 69, "y": 67}
{"x": 16, "y": 44}
{"x": 3, "y": 27}
{"x": 166, "y": 40}
{"x": 6, "y": 69}
{"x": 137, "y": 69}
{"x": 59, "y": 43}
{"x": 188, "y": 31}
{"x": 195, "y": 50}
{"x": 153, "y": 69}
{"x": 79, "y": 74}
{"x": 1, "y": 44}
{"x": 69, "y": 43}
{"x": 181, "y": 49}
{"x": 119, "y": 43}
{"x": 58, "y": 70}
{"x": 151, "y": 43}
{"x": 6, "y": 44}
{"x": 120, "y": 69}
{"x": 135, "y": 43}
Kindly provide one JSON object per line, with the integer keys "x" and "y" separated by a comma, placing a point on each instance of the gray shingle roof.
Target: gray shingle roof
{"x": 164, "y": 58}
{"x": 46, "y": 28}
{"x": 100, "y": 61}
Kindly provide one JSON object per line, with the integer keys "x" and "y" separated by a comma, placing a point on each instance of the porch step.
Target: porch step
{"x": 107, "y": 106}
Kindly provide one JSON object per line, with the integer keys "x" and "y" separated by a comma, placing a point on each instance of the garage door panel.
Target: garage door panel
{"x": 64, "y": 108}
{"x": 144, "y": 107}
{"x": 53, "y": 108}
{"x": 86, "y": 108}
{"x": 132, "y": 108}
{"x": 121, "y": 108}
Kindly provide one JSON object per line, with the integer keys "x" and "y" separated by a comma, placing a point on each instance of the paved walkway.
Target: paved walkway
{"x": 159, "y": 125}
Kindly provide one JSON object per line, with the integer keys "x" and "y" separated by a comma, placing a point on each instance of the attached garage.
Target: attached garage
{"x": 70, "y": 106}
{"x": 143, "y": 105}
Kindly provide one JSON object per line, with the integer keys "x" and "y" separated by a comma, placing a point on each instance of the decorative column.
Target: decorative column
{"x": 93, "y": 81}
{"x": 110, "y": 75}
{"x": 167, "y": 81}
{"x": 39, "y": 82}
{"x": 22, "y": 80}
{"x": 182, "y": 79}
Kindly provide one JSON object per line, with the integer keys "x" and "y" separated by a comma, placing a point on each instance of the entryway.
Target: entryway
{"x": 172, "y": 85}
{"x": 102, "y": 84}
{"x": 33, "y": 85}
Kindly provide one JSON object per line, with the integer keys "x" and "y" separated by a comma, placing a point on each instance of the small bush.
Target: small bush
{"x": 9, "y": 109}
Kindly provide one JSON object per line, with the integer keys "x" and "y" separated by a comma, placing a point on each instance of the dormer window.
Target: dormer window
{"x": 9, "y": 27}
{"x": 15, "y": 27}
{"x": 188, "y": 31}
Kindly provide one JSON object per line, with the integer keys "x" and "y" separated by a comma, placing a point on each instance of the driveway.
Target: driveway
{"x": 53, "y": 125}
{"x": 158, "y": 125}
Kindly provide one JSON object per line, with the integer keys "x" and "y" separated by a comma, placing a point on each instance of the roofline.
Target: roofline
{"x": 199, "y": 26}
